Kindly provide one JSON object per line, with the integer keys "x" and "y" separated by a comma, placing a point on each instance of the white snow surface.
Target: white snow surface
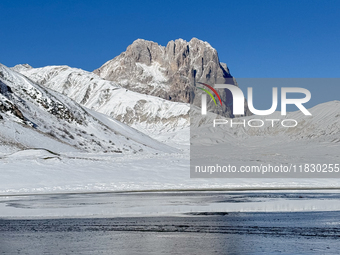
{"x": 55, "y": 122}
{"x": 152, "y": 114}
{"x": 157, "y": 166}
{"x": 39, "y": 172}
{"x": 155, "y": 71}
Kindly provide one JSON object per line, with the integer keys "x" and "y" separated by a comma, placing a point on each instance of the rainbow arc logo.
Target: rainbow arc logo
{"x": 209, "y": 93}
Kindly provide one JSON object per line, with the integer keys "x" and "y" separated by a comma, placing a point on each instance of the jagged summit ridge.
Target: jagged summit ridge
{"x": 150, "y": 85}
{"x": 149, "y": 68}
{"x": 169, "y": 72}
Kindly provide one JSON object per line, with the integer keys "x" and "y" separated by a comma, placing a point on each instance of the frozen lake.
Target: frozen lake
{"x": 133, "y": 204}
{"x": 172, "y": 223}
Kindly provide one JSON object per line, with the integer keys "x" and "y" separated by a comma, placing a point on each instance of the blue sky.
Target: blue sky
{"x": 256, "y": 38}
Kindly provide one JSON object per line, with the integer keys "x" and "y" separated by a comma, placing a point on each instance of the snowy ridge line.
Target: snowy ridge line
{"x": 33, "y": 116}
{"x": 132, "y": 170}
{"x": 324, "y": 124}
{"x": 109, "y": 98}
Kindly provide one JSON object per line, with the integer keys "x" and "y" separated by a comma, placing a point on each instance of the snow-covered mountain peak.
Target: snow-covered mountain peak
{"x": 21, "y": 67}
{"x": 170, "y": 72}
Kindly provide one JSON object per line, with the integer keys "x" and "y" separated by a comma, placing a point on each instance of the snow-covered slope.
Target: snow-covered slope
{"x": 151, "y": 114}
{"x": 35, "y": 117}
{"x": 315, "y": 140}
{"x": 323, "y": 125}
{"x": 312, "y": 141}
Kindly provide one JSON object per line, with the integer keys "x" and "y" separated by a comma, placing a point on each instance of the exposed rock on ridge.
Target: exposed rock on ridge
{"x": 171, "y": 72}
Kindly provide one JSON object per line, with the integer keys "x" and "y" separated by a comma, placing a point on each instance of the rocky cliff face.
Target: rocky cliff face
{"x": 171, "y": 72}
